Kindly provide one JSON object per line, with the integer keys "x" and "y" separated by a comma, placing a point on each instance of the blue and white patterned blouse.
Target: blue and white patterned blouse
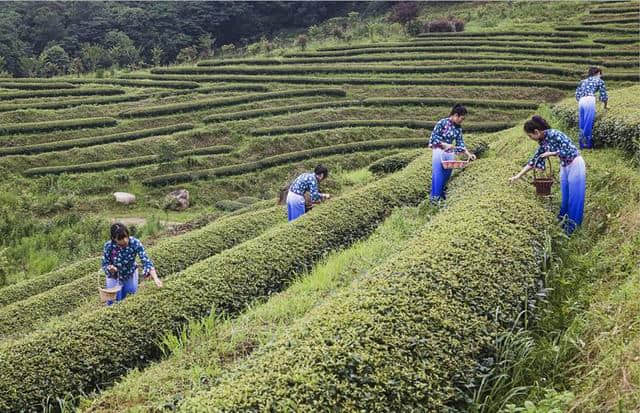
{"x": 306, "y": 182}
{"x": 446, "y": 131}
{"x": 589, "y": 87}
{"x": 125, "y": 258}
{"x": 555, "y": 141}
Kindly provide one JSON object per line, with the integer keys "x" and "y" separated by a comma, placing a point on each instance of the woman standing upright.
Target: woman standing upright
{"x": 585, "y": 95}
{"x": 552, "y": 142}
{"x": 445, "y": 132}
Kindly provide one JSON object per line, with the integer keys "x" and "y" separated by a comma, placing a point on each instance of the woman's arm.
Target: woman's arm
{"x": 148, "y": 270}
{"x": 106, "y": 262}
{"x": 519, "y": 175}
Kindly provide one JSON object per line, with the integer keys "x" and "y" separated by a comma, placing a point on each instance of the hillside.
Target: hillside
{"x": 379, "y": 325}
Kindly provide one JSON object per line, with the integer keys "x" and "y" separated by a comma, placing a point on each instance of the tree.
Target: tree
{"x": 301, "y": 41}
{"x": 76, "y": 66}
{"x": 404, "y": 12}
{"x": 205, "y": 44}
{"x": 187, "y": 54}
{"x": 227, "y": 49}
{"x": 95, "y": 57}
{"x": 122, "y": 50}
{"x": 55, "y": 61}
{"x": 156, "y": 55}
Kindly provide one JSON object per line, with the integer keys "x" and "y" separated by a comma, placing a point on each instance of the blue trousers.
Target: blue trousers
{"x": 439, "y": 175}
{"x": 573, "y": 185}
{"x": 295, "y": 206}
{"x": 586, "y": 117}
{"x": 129, "y": 286}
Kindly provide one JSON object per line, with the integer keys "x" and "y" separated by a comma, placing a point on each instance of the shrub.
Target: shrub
{"x": 619, "y": 20}
{"x": 413, "y": 28}
{"x": 62, "y": 291}
{"x": 393, "y": 163}
{"x": 52, "y": 363}
{"x": 588, "y": 51}
{"x": 63, "y": 103}
{"x": 61, "y": 92}
{"x": 284, "y": 158}
{"x": 95, "y": 140}
{"x": 371, "y": 80}
{"x": 614, "y": 10}
{"x": 35, "y": 85}
{"x": 230, "y": 101}
{"x": 616, "y": 40}
{"x": 603, "y": 29}
{"x": 409, "y": 123}
{"x": 141, "y": 83}
{"x": 248, "y": 200}
{"x": 247, "y": 114}
{"x": 538, "y": 34}
{"x": 54, "y": 125}
{"x": 229, "y": 206}
{"x": 166, "y": 154}
{"x": 408, "y": 337}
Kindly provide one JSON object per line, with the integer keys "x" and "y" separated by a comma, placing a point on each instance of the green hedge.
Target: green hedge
{"x": 501, "y": 33}
{"x": 616, "y": 40}
{"x": 140, "y": 83}
{"x": 383, "y": 123}
{"x": 453, "y": 48}
{"x": 370, "y": 80}
{"x": 64, "y": 290}
{"x": 230, "y": 101}
{"x": 61, "y": 92}
{"x": 215, "y": 89}
{"x": 601, "y": 29}
{"x": 470, "y": 42}
{"x": 248, "y": 200}
{"x": 123, "y": 162}
{"x": 95, "y": 140}
{"x": 256, "y": 113}
{"x": 393, "y": 163}
{"x": 307, "y": 69}
{"x": 614, "y": 10}
{"x": 229, "y": 205}
{"x": 621, "y": 20}
{"x": 282, "y": 159}
{"x": 56, "y": 125}
{"x": 421, "y": 57}
{"x": 64, "y": 103}
{"x": 409, "y": 335}
{"x": 36, "y": 85}
{"x": 618, "y": 127}
{"x": 98, "y": 347}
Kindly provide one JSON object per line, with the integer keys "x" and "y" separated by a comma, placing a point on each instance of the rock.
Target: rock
{"x": 177, "y": 200}
{"x": 124, "y": 198}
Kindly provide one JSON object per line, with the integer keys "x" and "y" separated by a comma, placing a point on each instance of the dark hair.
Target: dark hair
{"x": 321, "y": 170}
{"x": 458, "y": 109}
{"x": 594, "y": 70}
{"x": 119, "y": 231}
{"x": 536, "y": 122}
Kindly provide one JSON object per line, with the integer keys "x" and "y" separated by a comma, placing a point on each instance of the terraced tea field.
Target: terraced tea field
{"x": 408, "y": 330}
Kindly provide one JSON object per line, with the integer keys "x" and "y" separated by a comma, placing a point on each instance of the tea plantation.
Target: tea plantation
{"x": 373, "y": 301}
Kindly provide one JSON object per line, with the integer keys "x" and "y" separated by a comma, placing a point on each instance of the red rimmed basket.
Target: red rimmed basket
{"x": 543, "y": 183}
{"x": 455, "y": 163}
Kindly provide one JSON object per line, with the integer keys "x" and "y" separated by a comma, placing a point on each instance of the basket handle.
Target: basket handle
{"x": 549, "y": 171}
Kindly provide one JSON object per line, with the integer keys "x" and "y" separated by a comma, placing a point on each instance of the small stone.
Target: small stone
{"x": 177, "y": 200}
{"x": 124, "y": 198}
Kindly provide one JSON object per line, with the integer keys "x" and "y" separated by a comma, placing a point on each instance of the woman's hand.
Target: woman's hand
{"x": 112, "y": 268}
{"x": 472, "y": 157}
{"x": 514, "y": 178}
{"x": 152, "y": 273}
